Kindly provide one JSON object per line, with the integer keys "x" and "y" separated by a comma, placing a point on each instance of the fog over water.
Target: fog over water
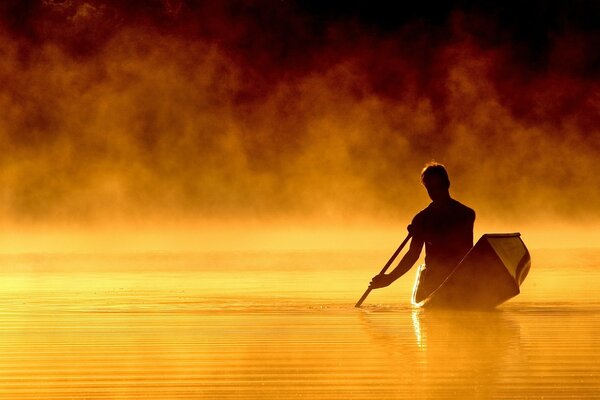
{"x": 194, "y": 114}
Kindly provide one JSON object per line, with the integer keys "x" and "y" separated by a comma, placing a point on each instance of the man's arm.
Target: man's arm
{"x": 404, "y": 265}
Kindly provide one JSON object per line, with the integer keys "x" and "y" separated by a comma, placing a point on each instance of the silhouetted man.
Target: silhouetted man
{"x": 446, "y": 228}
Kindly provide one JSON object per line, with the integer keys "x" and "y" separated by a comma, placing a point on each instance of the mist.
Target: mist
{"x": 242, "y": 114}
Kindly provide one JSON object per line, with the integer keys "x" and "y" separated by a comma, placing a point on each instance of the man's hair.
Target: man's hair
{"x": 435, "y": 169}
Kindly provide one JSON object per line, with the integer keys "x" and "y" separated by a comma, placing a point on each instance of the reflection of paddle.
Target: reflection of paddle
{"x": 385, "y": 267}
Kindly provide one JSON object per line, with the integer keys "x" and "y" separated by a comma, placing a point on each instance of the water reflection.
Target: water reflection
{"x": 475, "y": 330}
{"x": 466, "y": 349}
{"x": 416, "y": 321}
{"x": 479, "y": 330}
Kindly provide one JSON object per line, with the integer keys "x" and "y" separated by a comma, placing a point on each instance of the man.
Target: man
{"x": 446, "y": 229}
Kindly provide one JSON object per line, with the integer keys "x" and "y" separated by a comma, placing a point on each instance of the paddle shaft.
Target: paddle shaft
{"x": 385, "y": 268}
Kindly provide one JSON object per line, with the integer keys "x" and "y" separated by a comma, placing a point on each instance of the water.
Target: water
{"x": 283, "y": 325}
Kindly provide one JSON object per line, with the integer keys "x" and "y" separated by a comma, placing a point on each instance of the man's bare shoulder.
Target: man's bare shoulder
{"x": 468, "y": 212}
{"x": 421, "y": 214}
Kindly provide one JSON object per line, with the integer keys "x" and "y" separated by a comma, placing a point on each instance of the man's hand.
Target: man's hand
{"x": 380, "y": 281}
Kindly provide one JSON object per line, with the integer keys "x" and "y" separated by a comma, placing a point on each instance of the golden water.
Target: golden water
{"x": 283, "y": 325}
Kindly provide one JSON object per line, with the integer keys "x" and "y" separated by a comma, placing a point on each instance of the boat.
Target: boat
{"x": 488, "y": 275}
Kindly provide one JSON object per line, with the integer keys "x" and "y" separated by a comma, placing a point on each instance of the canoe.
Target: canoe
{"x": 490, "y": 273}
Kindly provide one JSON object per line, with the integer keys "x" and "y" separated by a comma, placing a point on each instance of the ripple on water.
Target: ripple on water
{"x": 157, "y": 336}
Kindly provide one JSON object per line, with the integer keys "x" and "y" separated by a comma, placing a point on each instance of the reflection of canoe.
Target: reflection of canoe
{"x": 490, "y": 273}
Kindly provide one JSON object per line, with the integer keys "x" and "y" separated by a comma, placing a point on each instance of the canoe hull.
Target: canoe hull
{"x": 490, "y": 274}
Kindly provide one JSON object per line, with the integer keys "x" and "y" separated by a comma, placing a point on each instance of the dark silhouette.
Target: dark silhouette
{"x": 446, "y": 229}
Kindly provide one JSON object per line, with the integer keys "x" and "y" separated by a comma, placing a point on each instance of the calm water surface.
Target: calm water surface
{"x": 283, "y": 325}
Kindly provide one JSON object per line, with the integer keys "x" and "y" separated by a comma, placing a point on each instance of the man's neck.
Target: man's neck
{"x": 443, "y": 199}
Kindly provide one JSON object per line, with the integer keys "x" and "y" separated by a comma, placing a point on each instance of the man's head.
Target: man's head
{"x": 435, "y": 179}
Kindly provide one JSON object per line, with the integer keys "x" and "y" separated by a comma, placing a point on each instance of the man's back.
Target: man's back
{"x": 446, "y": 228}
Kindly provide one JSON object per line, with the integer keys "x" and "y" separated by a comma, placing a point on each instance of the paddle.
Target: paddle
{"x": 385, "y": 267}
